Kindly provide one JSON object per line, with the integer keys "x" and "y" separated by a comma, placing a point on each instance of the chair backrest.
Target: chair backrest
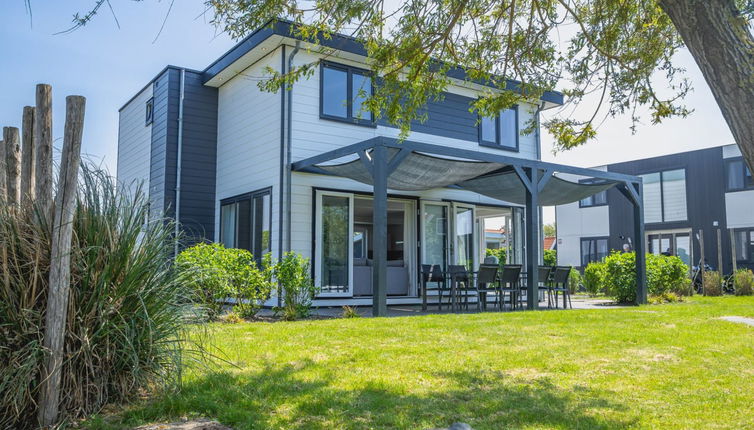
{"x": 458, "y": 272}
{"x": 490, "y": 259}
{"x": 511, "y": 274}
{"x": 487, "y": 273}
{"x": 561, "y": 274}
{"x": 432, "y": 273}
{"x": 544, "y": 273}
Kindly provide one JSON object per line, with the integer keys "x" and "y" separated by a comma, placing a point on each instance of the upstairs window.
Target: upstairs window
{"x": 599, "y": 199}
{"x": 343, "y": 91}
{"x": 737, "y": 175}
{"x": 665, "y": 196}
{"x": 500, "y": 131}
{"x": 149, "y": 112}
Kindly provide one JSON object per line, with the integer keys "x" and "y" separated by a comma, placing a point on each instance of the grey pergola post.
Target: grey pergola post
{"x": 633, "y": 192}
{"x": 379, "y": 243}
{"x": 533, "y": 184}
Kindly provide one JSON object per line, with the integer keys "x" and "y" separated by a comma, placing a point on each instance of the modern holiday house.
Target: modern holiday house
{"x": 306, "y": 170}
{"x": 709, "y": 191}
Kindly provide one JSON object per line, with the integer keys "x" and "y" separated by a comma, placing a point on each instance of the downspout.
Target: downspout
{"x": 540, "y": 107}
{"x": 179, "y": 157}
{"x": 282, "y": 175}
{"x": 289, "y": 144}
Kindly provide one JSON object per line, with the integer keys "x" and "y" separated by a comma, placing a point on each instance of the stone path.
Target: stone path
{"x": 740, "y": 320}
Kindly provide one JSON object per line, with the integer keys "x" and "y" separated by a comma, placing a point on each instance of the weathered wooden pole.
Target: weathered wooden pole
{"x": 720, "y": 251}
{"x": 701, "y": 259}
{"x": 3, "y": 174}
{"x": 27, "y": 155}
{"x": 12, "y": 165}
{"x": 733, "y": 256}
{"x": 60, "y": 259}
{"x": 43, "y": 150}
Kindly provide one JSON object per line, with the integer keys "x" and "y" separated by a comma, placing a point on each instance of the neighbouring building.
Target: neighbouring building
{"x": 306, "y": 170}
{"x": 708, "y": 190}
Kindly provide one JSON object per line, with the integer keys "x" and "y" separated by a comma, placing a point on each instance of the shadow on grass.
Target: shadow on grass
{"x": 301, "y": 397}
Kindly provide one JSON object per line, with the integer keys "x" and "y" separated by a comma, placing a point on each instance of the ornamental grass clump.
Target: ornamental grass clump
{"x": 713, "y": 283}
{"x": 743, "y": 281}
{"x": 125, "y": 325}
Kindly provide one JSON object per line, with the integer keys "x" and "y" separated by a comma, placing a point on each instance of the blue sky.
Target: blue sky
{"x": 108, "y": 65}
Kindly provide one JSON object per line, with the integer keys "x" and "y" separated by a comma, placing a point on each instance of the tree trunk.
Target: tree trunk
{"x": 719, "y": 39}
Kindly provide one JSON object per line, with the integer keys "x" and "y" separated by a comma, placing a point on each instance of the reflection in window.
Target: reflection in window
{"x": 665, "y": 196}
{"x": 335, "y": 226}
{"x": 738, "y": 175}
{"x": 245, "y": 223}
{"x": 593, "y": 249}
{"x": 501, "y": 130}
{"x": 344, "y": 92}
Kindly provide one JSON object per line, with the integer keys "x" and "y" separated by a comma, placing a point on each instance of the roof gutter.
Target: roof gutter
{"x": 179, "y": 157}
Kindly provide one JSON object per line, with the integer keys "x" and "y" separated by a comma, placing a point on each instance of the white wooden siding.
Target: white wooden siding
{"x": 574, "y": 223}
{"x": 248, "y": 139}
{"x": 134, "y": 144}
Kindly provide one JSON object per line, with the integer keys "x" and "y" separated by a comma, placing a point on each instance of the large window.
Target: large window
{"x": 343, "y": 91}
{"x": 744, "y": 245}
{"x": 245, "y": 222}
{"x": 500, "y": 131}
{"x": 737, "y": 175}
{"x": 593, "y": 249}
{"x": 599, "y": 199}
{"x": 665, "y": 196}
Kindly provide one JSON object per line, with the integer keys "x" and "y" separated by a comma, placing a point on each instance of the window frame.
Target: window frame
{"x": 746, "y": 187}
{"x": 350, "y": 71}
{"x": 662, "y": 194}
{"x": 149, "y": 112}
{"x": 498, "y": 133}
{"x": 592, "y": 239}
{"x": 250, "y": 196}
{"x": 593, "y": 205}
{"x": 750, "y": 246}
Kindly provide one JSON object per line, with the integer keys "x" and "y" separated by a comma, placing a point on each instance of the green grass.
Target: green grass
{"x": 663, "y": 366}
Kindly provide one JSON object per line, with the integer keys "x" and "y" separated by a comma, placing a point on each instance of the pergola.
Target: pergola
{"x": 385, "y": 162}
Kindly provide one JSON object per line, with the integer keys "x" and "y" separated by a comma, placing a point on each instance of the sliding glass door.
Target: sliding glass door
{"x": 334, "y": 227}
{"x": 434, "y": 242}
{"x": 463, "y": 236}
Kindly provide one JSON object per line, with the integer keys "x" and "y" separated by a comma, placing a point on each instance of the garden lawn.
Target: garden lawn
{"x": 662, "y": 366}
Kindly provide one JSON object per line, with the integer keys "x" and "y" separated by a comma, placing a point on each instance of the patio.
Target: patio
{"x": 386, "y": 163}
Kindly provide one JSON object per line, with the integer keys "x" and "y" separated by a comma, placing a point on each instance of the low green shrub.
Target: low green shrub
{"x": 500, "y": 253}
{"x": 215, "y": 273}
{"x": 574, "y": 281}
{"x": 713, "y": 283}
{"x": 550, "y": 257}
{"x": 743, "y": 281}
{"x": 665, "y": 274}
{"x": 298, "y": 290}
{"x": 593, "y": 278}
{"x": 619, "y": 275}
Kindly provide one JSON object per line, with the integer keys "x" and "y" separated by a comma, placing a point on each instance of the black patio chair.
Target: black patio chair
{"x": 509, "y": 283}
{"x": 433, "y": 273}
{"x": 545, "y": 281}
{"x": 461, "y": 285}
{"x": 560, "y": 285}
{"x": 487, "y": 282}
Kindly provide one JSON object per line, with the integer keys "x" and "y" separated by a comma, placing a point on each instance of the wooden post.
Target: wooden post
{"x": 733, "y": 255}
{"x": 60, "y": 268}
{"x": 701, "y": 258}
{"x": 27, "y": 155}
{"x": 12, "y": 164}
{"x": 720, "y": 251}
{"x": 3, "y": 174}
{"x": 43, "y": 150}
